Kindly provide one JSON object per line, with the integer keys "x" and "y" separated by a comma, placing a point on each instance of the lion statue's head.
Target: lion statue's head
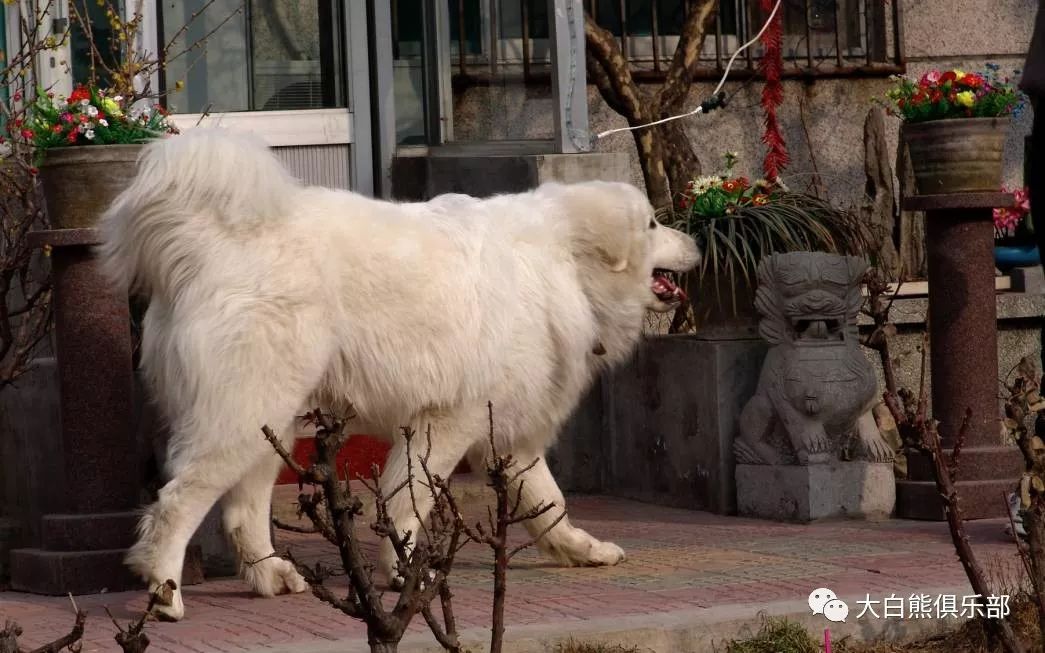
{"x": 809, "y": 298}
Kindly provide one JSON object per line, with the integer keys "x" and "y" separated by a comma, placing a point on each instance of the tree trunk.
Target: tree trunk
{"x": 665, "y": 154}
{"x": 383, "y": 647}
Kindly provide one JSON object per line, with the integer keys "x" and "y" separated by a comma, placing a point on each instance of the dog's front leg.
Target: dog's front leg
{"x": 442, "y": 438}
{"x": 569, "y": 545}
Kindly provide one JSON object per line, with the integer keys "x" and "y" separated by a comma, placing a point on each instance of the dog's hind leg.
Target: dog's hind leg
{"x": 246, "y": 510}
{"x": 216, "y": 444}
{"x": 449, "y": 435}
{"x": 567, "y": 544}
{"x": 168, "y": 523}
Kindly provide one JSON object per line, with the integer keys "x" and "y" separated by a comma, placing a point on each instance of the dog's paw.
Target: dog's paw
{"x": 273, "y": 576}
{"x": 604, "y": 554}
{"x": 168, "y": 604}
{"x": 583, "y": 550}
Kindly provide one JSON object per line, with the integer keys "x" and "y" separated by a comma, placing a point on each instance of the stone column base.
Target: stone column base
{"x": 859, "y": 490}
{"x": 81, "y": 554}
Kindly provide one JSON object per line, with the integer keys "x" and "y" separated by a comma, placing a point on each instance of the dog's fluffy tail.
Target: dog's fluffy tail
{"x": 204, "y": 184}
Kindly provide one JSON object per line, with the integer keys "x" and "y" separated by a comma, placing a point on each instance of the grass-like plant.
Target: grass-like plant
{"x": 737, "y": 223}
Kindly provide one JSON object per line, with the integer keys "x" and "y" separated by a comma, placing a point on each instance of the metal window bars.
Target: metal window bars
{"x": 822, "y": 38}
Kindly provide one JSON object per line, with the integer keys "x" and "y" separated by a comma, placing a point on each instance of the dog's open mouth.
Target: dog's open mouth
{"x": 664, "y": 285}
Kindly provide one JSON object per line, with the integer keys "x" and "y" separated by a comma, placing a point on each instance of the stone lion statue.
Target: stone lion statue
{"x": 816, "y": 390}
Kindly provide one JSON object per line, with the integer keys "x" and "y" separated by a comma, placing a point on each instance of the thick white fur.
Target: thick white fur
{"x": 267, "y": 296}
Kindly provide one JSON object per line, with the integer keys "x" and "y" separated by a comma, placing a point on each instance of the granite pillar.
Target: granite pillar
{"x": 82, "y": 546}
{"x": 963, "y": 348}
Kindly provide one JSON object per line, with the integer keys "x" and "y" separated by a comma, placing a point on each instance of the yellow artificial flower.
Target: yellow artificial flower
{"x": 111, "y": 108}
{"x": 966, "y": 98}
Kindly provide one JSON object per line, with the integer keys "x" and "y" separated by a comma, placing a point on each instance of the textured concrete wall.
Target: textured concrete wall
{"x": 1020, "y": 319}
{"x": 822, "y": 122}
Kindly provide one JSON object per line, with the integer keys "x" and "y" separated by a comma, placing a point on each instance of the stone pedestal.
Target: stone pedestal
{"x": 498, "y": 168}
{"x": 671, "y": 416}
{"x": 963, "y": 347}
{"x": 804, "y": 493}
{"x": 83, "y": 543}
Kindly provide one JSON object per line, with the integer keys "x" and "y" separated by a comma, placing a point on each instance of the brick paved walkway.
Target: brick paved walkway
{"x": 677, "y": 561}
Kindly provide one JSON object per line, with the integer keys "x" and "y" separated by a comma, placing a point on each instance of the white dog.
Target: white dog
{"x": 266, "y": 296}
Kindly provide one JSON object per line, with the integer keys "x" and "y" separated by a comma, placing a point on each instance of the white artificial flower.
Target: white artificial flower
{"x": 103, "y": 122}
{"x": 117, "y": 98}
{"x": 89, "y": 134}
{"x": 92, "y": 111}
{"x": 61, "y": 103}
{"x": 704, "y": 184}
{"x": 85, "y": 102}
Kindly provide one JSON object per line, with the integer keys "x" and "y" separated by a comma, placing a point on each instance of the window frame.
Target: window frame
{"x": 568, "y": 80}
{"x": 349, "y": 125}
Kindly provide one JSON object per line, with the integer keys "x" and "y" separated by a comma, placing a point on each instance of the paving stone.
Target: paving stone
{"x": 677, "y": 560}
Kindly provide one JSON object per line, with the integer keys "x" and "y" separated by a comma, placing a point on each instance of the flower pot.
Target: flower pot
{"x": 956, "y": 155}
{"x": 1007, "y": 257}
{"x": 80, "y": 182}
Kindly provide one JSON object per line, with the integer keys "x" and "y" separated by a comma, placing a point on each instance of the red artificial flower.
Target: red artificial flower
{"x": 67, "y": 117}
{"x": 901, "y": 103}
{"x": 948, "y": 76}
{"x": 80, "y": 93}
{"x": 57, "y": 129}
{"x": 730, "y": 186}
{"x": 34, "y": 171}
{"x": 83, "y": 118}
{"x": 743, "y": 182}
{"x": 919, "y": 97}
{"x": 972, "y": 80}
{"x": 760, "y": 199}
{"x": 27, "y": 134}
{"x": 935, "y": 95}
{"x": 683, "y": 202}
{"x": 18, "y": 122}
{"x": 72, "y": 136}
{"x": 17, "y": 96}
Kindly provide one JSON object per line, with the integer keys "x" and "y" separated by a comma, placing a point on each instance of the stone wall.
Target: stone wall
{"x": 822, "y": 121}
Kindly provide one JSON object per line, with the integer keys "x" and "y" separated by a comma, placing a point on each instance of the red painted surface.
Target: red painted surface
{"x": 359, "y": 453}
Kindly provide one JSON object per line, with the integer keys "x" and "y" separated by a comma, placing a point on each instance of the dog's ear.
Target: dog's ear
{"x": 615, "y": 244}
{"x": 604, "y": 220}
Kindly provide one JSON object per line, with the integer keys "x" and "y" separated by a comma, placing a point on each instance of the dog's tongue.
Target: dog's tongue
{"x": 666, "y": 290}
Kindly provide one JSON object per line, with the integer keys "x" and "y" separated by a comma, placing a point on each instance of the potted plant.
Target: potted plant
{"x": 86, "y": 149}
{"x": 1014, "y": 242}
{"x": 737, "y": 222}
{"x": 954, "y": 126}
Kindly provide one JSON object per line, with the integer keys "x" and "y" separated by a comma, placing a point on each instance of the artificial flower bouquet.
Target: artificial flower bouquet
{"x": 90, "y": 117}
{"x": 719, "y": 196}
{"x": 1013, "y": 225}
{"x": 715, "y": 196}
{"x": 955, "y": 93}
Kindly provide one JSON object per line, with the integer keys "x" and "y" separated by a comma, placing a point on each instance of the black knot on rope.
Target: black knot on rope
{"x": 713, "y": 102}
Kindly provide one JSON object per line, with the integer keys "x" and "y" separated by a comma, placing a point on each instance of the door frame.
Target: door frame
{"x": 349, "y": 126}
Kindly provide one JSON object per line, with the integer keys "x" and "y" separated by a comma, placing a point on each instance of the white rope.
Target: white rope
{"x": 721, "y": 83}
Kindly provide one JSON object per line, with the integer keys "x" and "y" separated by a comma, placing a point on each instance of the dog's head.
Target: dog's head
{"x": 613, "y": 230}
